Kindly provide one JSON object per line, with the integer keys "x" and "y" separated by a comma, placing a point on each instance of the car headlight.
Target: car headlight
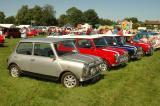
{"x": 103, "y": 67}
{"x": 93, "y": 71}
{"x": 116, "y": 57}
{"x": 135, "y": 50}
{"x": 85, "y": 70}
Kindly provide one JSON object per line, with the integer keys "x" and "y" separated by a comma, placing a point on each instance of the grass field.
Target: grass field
{"x": 137, "y": 84}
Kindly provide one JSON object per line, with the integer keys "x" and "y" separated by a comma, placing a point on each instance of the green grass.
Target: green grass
{"x": 137, "y": 84}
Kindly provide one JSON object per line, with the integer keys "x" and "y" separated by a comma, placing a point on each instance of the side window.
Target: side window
{"x": 25, "y": 48}
{"x": 84, "y": 43}
{"x": 43, "y": 49}
{"x": 110, "y": 40}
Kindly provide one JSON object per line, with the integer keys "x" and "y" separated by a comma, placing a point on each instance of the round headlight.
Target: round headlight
{"x": 103, "y": 67}
{"x": 116, "y": 57}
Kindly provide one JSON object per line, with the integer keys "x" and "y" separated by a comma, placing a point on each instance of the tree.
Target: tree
{"x": 2, "y": 17}
{"x": 24, "y": 15}
{"x": 105, "y": 22}
{"x": 75, "y": 16}
{"x": 133, "y": 19}
{"x": 10, "y": 20}
{"x": 63, "y": 19}
{"x": 48, "y": 15}
{"x": 36, "y": 14}
{"x": 91, "y": 17}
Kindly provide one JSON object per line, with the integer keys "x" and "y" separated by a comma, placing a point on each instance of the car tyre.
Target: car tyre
{"x": 69, "y": 80}
{"x": 14, "y": 70}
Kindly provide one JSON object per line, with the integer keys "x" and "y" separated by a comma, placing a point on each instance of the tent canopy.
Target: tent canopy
{"x": 7, "y": 25}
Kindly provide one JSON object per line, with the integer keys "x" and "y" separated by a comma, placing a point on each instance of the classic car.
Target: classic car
{"x": 146, "y": 46}
{"x": 149, "y": 37}
{"x": 42, "y": 57}
{"x": 2, "y": 39}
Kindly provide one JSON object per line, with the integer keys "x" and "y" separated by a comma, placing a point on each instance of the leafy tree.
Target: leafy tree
{"x": 36, "y": 14}
{"x": 63, "y": 19}
{"x": 105, "y": 22}
{"x": 10, "y": 20}
{"x": 75, "y": 16}
{"x": 2, "y": 17}
{"x": 48, "y": 15}
{"x": 91, "y": 17}
{"x": 133, "y": 19}
{"x": 24, "y": 15}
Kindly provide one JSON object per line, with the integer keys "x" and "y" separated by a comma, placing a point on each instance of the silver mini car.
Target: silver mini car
{"x": 44, "y": 57}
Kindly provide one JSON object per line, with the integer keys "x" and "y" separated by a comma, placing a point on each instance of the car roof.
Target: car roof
{"x": 45, "y": 40}
{"x": 76, "y": 36}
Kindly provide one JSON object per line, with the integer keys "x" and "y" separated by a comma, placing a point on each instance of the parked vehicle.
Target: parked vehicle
{"x": 96, "y": 45}
{"x": 149, "y": 37}
{"x": 43, "y": 57}
{"x": 32, "y": 33}
{"x": 146, "y": 47}
{"x": 135, "y": 52}
{"x": 12, "y": 33}
{"x": 2, "y": 40}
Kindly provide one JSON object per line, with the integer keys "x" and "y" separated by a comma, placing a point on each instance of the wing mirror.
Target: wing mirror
{"x": 114, "y": 43}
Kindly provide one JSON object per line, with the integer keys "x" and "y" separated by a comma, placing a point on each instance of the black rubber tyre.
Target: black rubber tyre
{"x": 69, "y": 80}
{"x": 14, "y": 70}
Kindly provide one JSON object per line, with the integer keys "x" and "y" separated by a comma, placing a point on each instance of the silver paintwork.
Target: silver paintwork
{"x": 75, "y": 63}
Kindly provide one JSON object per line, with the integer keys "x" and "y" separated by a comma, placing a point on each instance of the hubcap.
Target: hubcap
{"x": 70, "y": 81}
{"x": 14, "y": 72}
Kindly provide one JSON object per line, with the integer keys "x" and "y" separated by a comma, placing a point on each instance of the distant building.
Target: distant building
{"x": 152, "y": 24}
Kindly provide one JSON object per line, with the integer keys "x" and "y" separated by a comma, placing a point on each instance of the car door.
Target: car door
{"x": 44, "y": 61}
{"x": 85, "y": 46}
{"x": 23, "y": 55}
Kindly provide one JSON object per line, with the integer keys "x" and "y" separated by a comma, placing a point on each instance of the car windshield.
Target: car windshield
{"x": 120, "y": 40}
{"x": 65, "y": 48}
{"x": 100, "y": 42}
{"x": 110, "y": 40}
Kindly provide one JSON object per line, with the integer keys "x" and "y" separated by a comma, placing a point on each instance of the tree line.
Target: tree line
{"x": 46, "y": 16}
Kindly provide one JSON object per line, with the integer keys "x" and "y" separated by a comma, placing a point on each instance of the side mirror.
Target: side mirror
{"x": 114, "y": 43}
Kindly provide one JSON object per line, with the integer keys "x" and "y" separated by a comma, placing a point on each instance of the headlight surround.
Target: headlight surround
{"x": 103, "y": 67}
{"x": 135, "y": 50}
{"x": 116, "y": 56}
{"x": 85, "y": 70}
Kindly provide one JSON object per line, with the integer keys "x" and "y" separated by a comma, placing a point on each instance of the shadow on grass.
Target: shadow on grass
{"x": 4, "y": 46}
{"x": 52, "y": 80}
{"x": 39, "y": 78}
{"x": 91, "y": 81}
{"x": 118, "y": 67}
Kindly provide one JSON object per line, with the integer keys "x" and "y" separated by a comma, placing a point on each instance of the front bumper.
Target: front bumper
{"x": 96, "y": 76}
{"x": 121, "y": 60}
{"x": 137, "y": 55}
{"x": 150, "y": 51}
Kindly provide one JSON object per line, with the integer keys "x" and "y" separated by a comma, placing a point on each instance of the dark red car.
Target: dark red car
{"x": 146, "y": 47}
{"x": 2, "y": 39}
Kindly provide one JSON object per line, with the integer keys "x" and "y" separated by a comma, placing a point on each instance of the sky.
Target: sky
{"x": 108, "y": 9}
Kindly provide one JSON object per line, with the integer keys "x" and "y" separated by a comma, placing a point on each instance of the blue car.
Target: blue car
{"x": 135, "y": 52}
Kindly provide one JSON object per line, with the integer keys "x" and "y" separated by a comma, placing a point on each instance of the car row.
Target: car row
{"x": 71, "y": 59}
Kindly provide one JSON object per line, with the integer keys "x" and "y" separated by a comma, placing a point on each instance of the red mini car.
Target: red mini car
{"x": 2, "y": 39}
{"x": 95, "y": 45}
{"x": 146, "y": 47}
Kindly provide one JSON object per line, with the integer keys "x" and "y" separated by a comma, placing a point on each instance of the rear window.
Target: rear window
{"x": 24, "y": 48}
